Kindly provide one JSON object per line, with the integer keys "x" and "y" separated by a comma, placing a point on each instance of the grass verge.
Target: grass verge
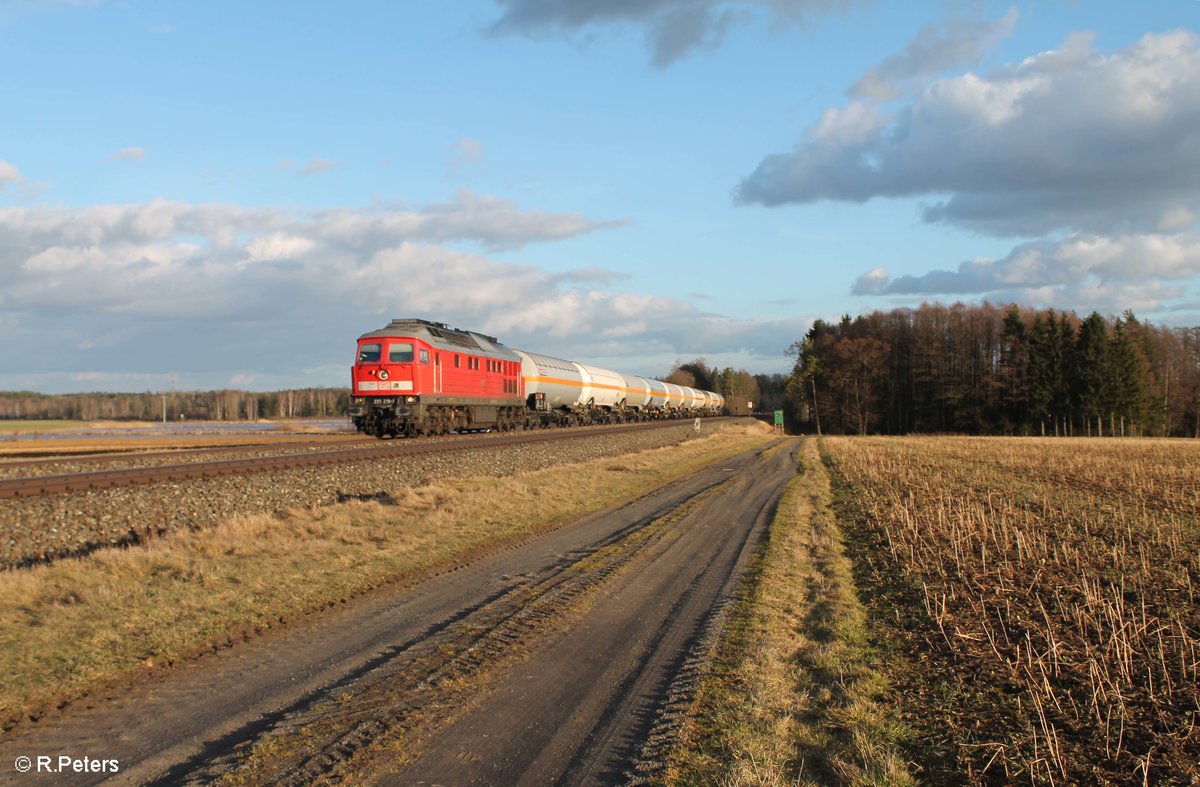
{"x": 76, "y": 625}
{"x": 27, "y": 427}
{"x": 794, "y": 695}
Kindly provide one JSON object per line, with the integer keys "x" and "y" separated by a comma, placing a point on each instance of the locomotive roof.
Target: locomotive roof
{"x": 444, "y": 337}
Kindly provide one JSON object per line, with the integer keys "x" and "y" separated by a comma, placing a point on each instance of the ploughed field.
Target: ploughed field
{"x": 1039, "y": 598}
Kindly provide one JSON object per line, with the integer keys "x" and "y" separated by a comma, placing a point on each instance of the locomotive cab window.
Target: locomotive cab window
{"x": 400, "y": 353}
{"x": 369, "y": 353}
{"x": 424, "y": 356}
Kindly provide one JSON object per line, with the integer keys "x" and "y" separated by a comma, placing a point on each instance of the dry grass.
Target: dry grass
{"x": 794, "y": 696}
{"x": 77, "y": 624}
{"x": 9, "y": 427}
{"x": 1058, "y": 582}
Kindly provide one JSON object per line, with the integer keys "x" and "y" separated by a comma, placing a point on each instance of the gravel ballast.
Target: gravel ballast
{"x": 39, "y": 529}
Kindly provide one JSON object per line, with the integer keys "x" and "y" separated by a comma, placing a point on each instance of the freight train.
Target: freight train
{"x": 415, "y": 377}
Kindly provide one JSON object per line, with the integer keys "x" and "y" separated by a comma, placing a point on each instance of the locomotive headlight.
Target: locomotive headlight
{"x": 383, "y": 375}
{"x": 410, "y": 399}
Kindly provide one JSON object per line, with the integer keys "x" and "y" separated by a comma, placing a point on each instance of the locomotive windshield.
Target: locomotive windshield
{"x": 400, "y": 353}
{"x": 369, "y": 353}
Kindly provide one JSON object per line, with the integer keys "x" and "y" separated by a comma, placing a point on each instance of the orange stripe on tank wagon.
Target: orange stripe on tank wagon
{"x": 578, "y": 384}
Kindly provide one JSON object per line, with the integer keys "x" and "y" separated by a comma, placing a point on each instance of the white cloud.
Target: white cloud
{"x": 1081, "y": 272}
{"x": 222, "y": 290}
{"x": 278, "y": 246}
{"x": 9, "y": 174}
{"x": 673, "y": 28}
{"x": 128, "y": 154}
{"x": 466, "y": 157}
{"x": 1070, "y": 139}
{"x": 466, "y": 153}
{"x": 954, "y": 43}
{"x": 316, "y": 166}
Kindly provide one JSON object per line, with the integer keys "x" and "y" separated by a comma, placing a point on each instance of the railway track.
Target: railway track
{"x": 101, "y": 456}
{"x": 34, "y": 486}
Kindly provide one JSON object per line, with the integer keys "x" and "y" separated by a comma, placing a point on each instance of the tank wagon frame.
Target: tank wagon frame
{"x": 416, "y": 377}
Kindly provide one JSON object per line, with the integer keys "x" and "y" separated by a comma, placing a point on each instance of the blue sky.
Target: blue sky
{"x": 230, "y": 193}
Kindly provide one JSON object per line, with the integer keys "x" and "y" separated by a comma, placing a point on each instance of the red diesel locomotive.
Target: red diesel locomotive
{"x": 415, "y": 377}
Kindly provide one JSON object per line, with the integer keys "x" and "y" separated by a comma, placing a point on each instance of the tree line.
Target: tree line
{"x": 224, "y": 405}
{"x": 997, "y": 370}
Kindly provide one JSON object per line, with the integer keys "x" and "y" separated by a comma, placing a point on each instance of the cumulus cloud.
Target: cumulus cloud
{"x": 1082, "y": 271}
{"x": 954, "y": 43}
{"x": 9, "y": 174}
{"x": 673, "y": 28}
{"x": 219, "y": 289}
{"x": 1071, "y": 139}
{"x": 128, "y": 154}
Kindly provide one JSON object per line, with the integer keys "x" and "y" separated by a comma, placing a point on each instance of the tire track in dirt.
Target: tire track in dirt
{"x": 579, "y": 708}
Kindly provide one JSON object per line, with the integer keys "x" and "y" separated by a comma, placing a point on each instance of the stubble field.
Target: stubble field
{"x": 1039, "y": 600}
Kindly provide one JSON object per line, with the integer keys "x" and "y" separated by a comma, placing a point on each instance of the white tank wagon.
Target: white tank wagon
{"x": 675, "y": 397}
{"x": 567, "y": 392}
{"x": 639, "y": 393}
{"x": 714, "y": 402}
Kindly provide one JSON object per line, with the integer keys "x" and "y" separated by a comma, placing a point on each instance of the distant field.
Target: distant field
{"x": 25, "y": 427}
{"x": 1041, "y": 598}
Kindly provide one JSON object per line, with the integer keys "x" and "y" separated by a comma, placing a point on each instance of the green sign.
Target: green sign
{"x": 779, "y": 417}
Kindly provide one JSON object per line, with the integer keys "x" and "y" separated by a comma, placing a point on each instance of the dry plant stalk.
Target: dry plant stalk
{"x": 1062, "y": 574}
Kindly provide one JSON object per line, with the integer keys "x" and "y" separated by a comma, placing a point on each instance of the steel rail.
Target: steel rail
{"x": 125, "y": 453}
{"x": 34, "y": 486}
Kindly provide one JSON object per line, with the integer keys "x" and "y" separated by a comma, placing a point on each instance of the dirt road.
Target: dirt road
{"x": 551, "y": 663}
